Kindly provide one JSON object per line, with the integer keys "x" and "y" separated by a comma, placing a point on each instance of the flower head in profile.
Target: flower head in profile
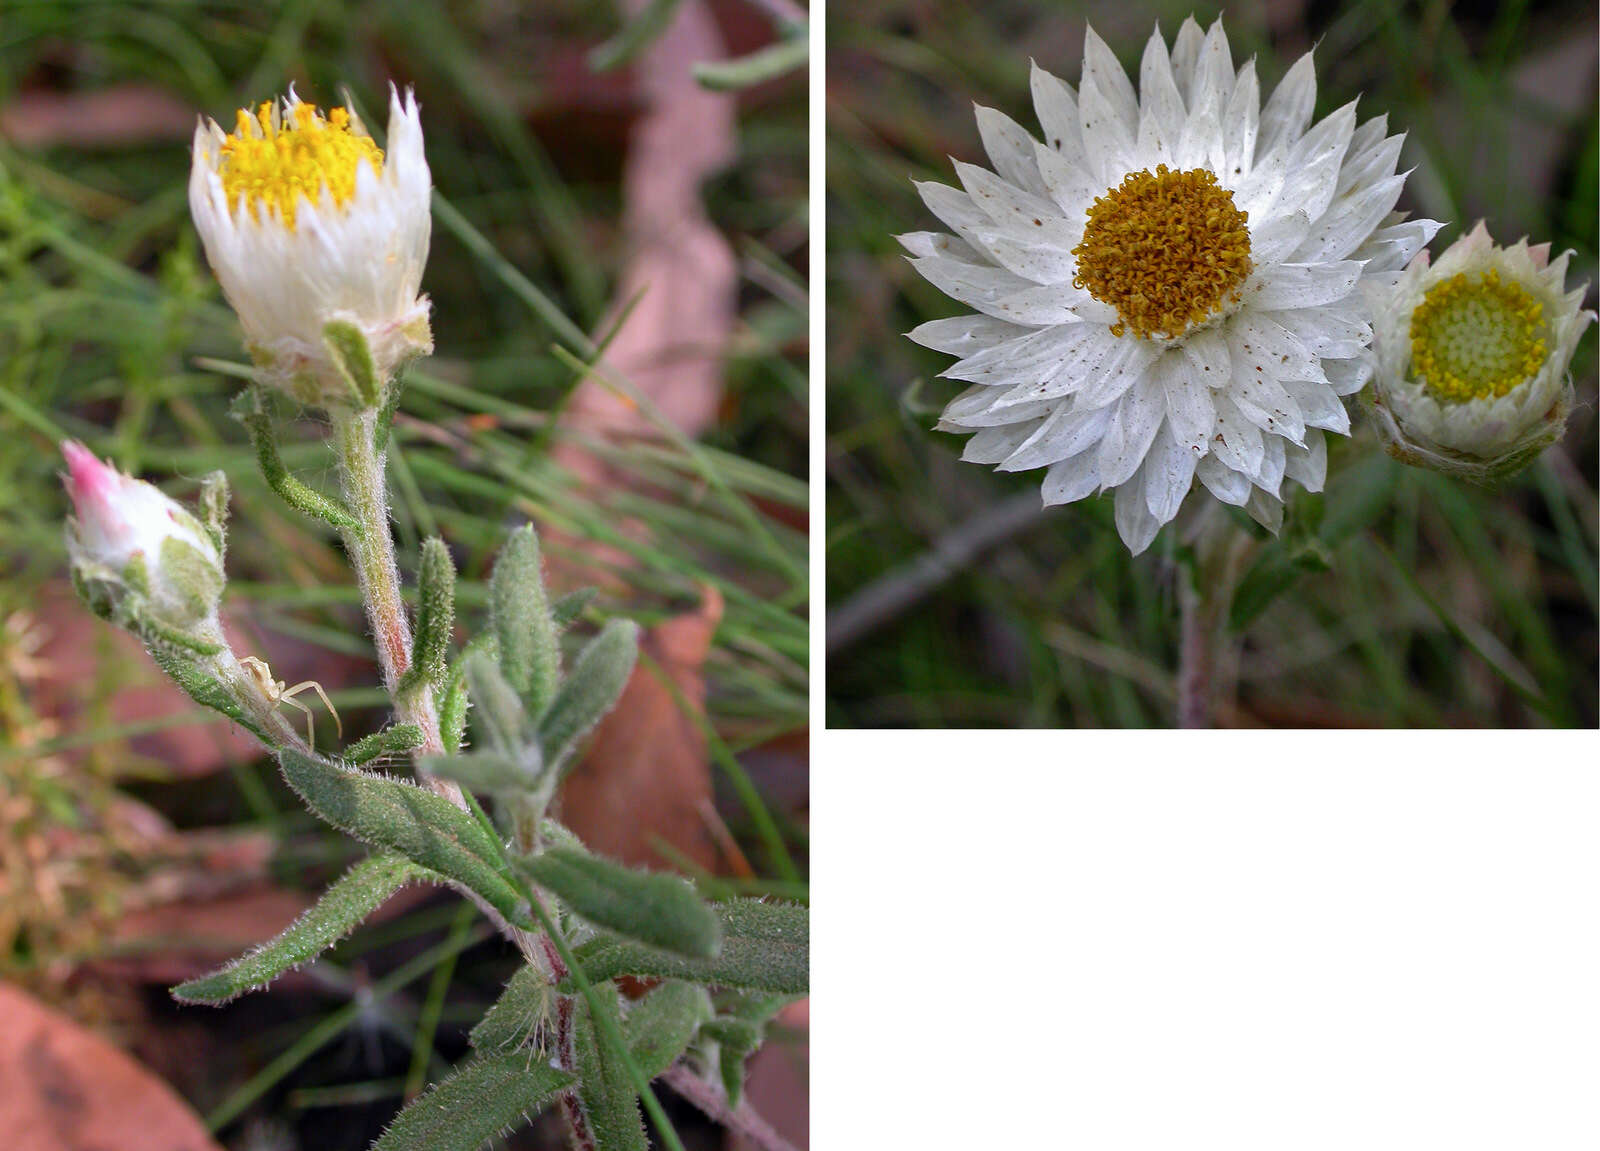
{"x": 306, "y": 222}
{"x": 138, "y": 557}
{"x": 1471, "y": 357}
{"x": 1167, "y": 284}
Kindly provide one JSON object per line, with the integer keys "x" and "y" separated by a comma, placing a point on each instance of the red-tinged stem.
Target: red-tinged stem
{"x": 710, "y": 1098}
{"x": 371, "y": 550}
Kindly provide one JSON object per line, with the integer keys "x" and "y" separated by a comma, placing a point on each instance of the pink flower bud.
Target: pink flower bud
{"x": 138, "y": 555}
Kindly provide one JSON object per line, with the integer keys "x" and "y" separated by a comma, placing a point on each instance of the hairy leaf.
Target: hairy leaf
{"x": 214, "y": 509}
{"x": 566, "y": 610}
{"x": 485, "y": 772}
{"x": 525, "y": 630}
{"x": 765, "y": 947}
{"x": 591, "y": 689}
{"x": 660, "y": 910}
{"x": 348, "y": 349}
{"x": 605, "y": 1089}
{"x": 436, "y": 614}
{"x": 402, "y": 737}
{"x": 480, "y": 1100}
{"x": 497, "y": 710}
{"x": 420, "y": 825}
{"x": 517, "y": 1015}
{"x": 739, "y": 1031}
{"x": 250, "y": 410}
{"x": 661, "y": 1025}
{"x": 341, "y": 909}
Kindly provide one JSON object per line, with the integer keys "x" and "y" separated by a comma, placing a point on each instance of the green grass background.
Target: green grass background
{"x": 1439, "y": 597}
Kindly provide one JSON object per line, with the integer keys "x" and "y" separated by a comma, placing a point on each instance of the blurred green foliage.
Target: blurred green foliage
{"x": 1438, "y": 597}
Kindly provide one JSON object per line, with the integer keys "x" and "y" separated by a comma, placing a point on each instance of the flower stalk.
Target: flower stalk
{"x": 1221, "y": 549}
{"x": 370, "y": 546}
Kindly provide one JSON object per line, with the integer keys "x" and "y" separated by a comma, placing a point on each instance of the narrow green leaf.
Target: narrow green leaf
{"x": 659, "y": 910}
{"x": 605, "y": 1089}
{"x": 566, "y": 610}
{"x": 591, "y": 690}
{"x": 480, "y": 1100}
{"x": 214, "y": 509}
{"x": 497, "y": 709}
{"x": 436, "y": 615}
{"x": 736, "y": 1040}
{"x": 486, "y": 772}
{"x": 661, "y": 1026}
{"x": 420, "y": 825}
{"x": 347, "y": 345}
{"x": 738, "y": 1032}
{"x": 250, "y": 410}
{"x": 765, "y": 947}
{"x": 517, "y": 1015}
{"x": 341, "y": 909}
{"x": 396, "y": 740}
{"x": 453, "y": 702}
{"x": 384, "y": 424}
{"x": 519, "y": 613}
{"x": 635, "y": 36}
{"x": 758, "y": 67}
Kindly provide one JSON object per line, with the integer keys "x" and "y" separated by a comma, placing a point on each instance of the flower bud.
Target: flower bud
{"x": 308, "y": 224}
{"x": 138, "y": 558}
{"x": 1471, "y": 357}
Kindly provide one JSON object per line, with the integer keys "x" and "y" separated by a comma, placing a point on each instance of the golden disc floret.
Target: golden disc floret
{"x": 1167, "y": 249}
{"x": 1475, "y": 338}
{"x": 270, "y": 160}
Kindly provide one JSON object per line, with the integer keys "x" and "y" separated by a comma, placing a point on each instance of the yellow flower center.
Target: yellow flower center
{"x": 293, "y": 156}
{"x": 1168, "y": 251}
{"x": 1472, "y": 339}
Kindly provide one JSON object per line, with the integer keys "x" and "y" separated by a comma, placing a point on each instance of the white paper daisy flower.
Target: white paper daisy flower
{"x": 1167, "y": 283}
{"x": 305, "y": 222}
{"x": 1472, "y": 355}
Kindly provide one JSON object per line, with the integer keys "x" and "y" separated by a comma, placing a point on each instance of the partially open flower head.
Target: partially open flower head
{"x": 138, "y": 557}
{"x": 306, "y": 222}
{"x": 1472, "y": 355}
{"x": 1168, "y": 284}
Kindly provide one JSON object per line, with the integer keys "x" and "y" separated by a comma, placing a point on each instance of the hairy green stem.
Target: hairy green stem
{"x": 1197, "y": 636}
{"x": 371, "y": 549}
{"x": 1205, "y": 595}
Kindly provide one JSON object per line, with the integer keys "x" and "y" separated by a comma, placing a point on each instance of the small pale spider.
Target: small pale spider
{"x": 275, "y": 690}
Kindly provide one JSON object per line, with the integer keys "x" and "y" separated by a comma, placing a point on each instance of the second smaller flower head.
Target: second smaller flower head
{"x": 139, "y": 558}
{"x": 307, "y": 222}
{"x": 1472, "y": 354}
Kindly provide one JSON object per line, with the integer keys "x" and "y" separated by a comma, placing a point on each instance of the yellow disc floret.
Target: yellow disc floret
{"x": 270, "y": 161}
{"x": 1168, "y": 250}
{"x": 1474, "y": 338}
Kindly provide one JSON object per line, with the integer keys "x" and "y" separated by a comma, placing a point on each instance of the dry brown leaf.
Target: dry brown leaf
{"x": 645, "y": 778}
{"x": 778, "y": 1082}
{"x": 122, "y": 116}
{"x": 63, "y": 1088}
{"x": 680, "y": 270}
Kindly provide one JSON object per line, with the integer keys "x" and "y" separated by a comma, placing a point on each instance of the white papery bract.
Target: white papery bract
{"x": 1167, "y": 285}
{"x": 306, "y": 222}
{"x": 1471, "y": 356}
